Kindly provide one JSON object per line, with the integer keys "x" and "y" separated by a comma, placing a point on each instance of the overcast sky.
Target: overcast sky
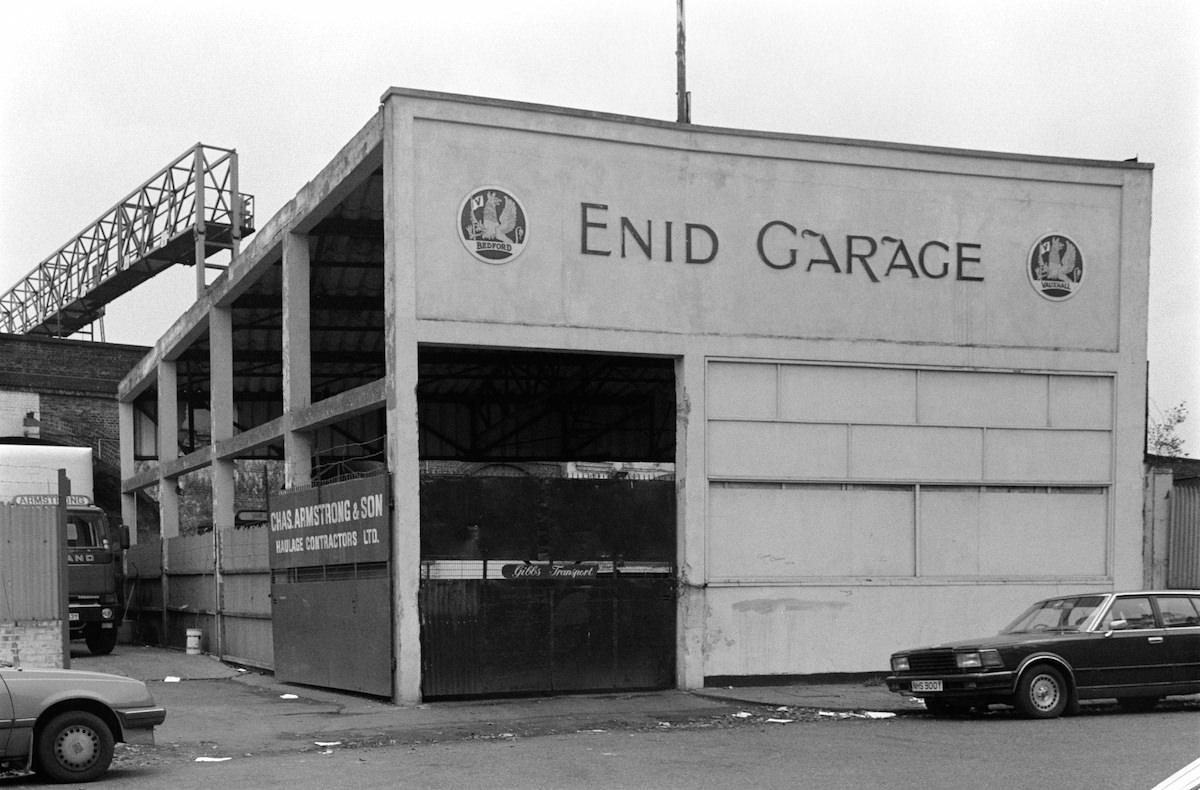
{"x": 97, "y": 97}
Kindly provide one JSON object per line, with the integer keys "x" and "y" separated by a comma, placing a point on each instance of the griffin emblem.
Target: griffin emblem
{"x": 492, "y": 225}
{"x": 1055, "y": 267}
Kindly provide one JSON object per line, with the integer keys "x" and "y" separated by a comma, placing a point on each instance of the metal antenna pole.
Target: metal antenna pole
{"x": 682, "y": 97}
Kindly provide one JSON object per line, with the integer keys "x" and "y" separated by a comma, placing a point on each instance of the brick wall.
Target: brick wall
{"x": 32, "y": 643}
{"x": 69, "y": 367}
{"x": 76, "y": 386}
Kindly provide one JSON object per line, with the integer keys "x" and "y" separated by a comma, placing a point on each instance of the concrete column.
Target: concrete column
{"x": 168, "y": 447}
{"x": 1156, "y": 527}
{"x": 220, "y": 332}
{"x": 691, "y": 497}
{"x": 297, "y": 356}
{"x": 403, "y": 455}
{"x": 125, "y": 420}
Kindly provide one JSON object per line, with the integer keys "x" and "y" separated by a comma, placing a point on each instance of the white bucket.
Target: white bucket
{"x": 193, "y": 641}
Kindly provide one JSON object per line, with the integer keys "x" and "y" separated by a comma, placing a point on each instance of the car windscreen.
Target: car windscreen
{"x": 1058, "y": 614}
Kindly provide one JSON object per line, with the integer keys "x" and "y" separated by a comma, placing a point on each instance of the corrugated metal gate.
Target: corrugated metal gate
{"x": 1183, "y": 565}
{"x": 32, "y": 588}
{"x": 330, "y": 587}
{"x": 546, "y": 585}
{"x": 30, "y": 564}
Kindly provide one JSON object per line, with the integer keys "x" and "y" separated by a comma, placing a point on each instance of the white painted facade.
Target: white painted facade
{"x": 887, "y": 432}
{"x": 888, "y": 438}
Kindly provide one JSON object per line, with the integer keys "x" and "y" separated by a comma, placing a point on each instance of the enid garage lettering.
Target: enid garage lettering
{"x": 781, "y": 245}
{"x": 332, "y": 524}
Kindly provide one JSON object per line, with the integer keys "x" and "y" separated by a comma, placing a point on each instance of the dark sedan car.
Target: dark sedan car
{"x": 62, "y": 723}
{"x": 1135, "y": 647}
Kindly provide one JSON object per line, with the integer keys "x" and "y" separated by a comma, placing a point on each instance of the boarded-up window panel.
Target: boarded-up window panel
{"x": 741, "y": 391}
{"x": 950, "y": 519}
{"x": 776, "y": 451}
{"x": 793, "y": 532}
{"x": 1081, "y": 402}
{"x": 847, "y": 394}
{"x": 1013, "y": 533}
{"x": 916, "y": 453}
{"x": 1048, "y": 456}
{"x": 983, "y": 399}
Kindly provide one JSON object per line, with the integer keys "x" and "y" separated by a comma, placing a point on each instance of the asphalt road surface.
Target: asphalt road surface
{"x": 1100, "y": 749}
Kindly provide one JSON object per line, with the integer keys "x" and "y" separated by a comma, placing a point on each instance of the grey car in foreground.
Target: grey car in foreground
{"x": 62, "y": 723}
{"x": 1134, "y": 647}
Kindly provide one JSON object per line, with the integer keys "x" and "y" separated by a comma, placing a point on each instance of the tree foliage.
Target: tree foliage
{"x": 1162, "y": 436}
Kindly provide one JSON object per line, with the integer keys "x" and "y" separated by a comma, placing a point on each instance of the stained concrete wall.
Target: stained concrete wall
{"x": 717, "y": 247}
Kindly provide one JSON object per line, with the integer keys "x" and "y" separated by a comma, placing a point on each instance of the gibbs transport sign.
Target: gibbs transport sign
{"x": 549, "y": 570}
{"x": 492, "y": 224}
{"x": 334, "y": 524}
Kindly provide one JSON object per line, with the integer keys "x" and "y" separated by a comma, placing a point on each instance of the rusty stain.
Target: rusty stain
{"x": 772, "y": 605}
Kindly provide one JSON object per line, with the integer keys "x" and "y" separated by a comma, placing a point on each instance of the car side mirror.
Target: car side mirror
{"x": 123, "y": 530}
{"x": 1118, "y": 625}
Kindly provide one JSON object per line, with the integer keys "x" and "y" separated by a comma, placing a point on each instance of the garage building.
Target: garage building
{"x": 659, "y": 404}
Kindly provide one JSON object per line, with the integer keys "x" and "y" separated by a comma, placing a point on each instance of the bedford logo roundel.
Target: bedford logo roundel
{"x": 1055, "y": 267}
{"x": 492, "y": 224}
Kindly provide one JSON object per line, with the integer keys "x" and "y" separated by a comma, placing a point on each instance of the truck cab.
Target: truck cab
{"x": 95, "y": 574}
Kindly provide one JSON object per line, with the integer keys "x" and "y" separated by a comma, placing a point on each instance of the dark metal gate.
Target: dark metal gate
{"x": 534, "y": 585}
{"x": 330, "y": 586}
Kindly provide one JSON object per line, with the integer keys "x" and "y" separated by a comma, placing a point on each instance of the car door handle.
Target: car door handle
{"x": 1155, "y": 640}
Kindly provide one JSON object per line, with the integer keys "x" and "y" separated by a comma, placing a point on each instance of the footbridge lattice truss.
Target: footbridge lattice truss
{"x": 188, "y": 211}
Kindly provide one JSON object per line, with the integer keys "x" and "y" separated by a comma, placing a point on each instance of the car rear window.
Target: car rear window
{"x": 1179, "y": 611}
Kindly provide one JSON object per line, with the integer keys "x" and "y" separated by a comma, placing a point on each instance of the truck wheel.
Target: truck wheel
{"x": 100, "y": 641}
{"x": 75, "y": 746}
{"x": 1042, "y": 693}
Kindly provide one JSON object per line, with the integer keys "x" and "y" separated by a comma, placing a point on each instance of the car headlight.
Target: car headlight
{"x": 899, "y": 663}
{"x": 106, "y": 613}
{"x": 979, "y": 659}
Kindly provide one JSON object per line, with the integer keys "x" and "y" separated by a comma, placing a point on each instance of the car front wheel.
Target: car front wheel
{"x": 75, "y": 746}
{"x": 1042, "y": 692}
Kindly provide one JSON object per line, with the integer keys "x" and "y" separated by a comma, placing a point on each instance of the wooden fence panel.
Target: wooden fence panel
{"x": 245, "y": 597}
{"x": 144, "y": 588}
{"x": 218, "y": 582}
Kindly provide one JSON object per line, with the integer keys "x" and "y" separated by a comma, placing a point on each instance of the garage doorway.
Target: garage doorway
{"x": 547, "y": 522}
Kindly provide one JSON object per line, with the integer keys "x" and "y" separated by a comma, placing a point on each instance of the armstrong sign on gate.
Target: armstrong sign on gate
{"x": 333, "y": 524}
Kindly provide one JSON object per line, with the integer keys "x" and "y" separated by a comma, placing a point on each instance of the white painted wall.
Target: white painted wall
{"x": 870, "y": 457}
{"x": 14, "y": 408}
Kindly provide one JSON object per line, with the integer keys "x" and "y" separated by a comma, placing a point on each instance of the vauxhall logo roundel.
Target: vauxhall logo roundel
{"x": 492, "y": 224}
{"x": 1055, "y": 267}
